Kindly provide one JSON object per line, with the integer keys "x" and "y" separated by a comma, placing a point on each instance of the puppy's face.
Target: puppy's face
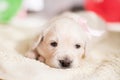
{"x": 63, "y": 45}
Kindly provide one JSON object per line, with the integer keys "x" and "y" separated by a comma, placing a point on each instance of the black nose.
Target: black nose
{"x": 66, "y": 63}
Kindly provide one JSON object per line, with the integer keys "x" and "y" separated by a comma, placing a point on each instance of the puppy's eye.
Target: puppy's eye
{"x": 53, "y": 44}
{"x": 77, "y": 46}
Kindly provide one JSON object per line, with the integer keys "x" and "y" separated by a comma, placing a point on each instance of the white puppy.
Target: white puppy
{"x": 63, "y": 43}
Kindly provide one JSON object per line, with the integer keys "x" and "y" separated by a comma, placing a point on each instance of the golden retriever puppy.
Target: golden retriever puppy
{"x": 63, "y": 43}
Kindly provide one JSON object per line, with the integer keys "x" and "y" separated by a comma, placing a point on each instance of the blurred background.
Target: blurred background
{"x": 34, "y": 13}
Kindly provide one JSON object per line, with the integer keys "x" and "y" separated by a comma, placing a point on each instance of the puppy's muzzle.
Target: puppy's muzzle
{"x": 65, "y": 63}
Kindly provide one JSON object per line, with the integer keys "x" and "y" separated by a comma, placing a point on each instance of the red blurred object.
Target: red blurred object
{"x": 108, "y": 9}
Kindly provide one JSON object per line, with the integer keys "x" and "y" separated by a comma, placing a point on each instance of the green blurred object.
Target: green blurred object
{"x": 8, "y": 8}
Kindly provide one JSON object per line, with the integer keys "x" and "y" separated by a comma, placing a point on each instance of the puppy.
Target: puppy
{"x": 63, "y": 43}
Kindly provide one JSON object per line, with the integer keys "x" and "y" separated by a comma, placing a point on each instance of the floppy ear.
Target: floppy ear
{"x": 32, "y": 52}
{"x": 38, "y": 39}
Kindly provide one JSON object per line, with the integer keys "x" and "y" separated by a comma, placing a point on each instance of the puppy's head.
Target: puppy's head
{"x": 63, "y": 43}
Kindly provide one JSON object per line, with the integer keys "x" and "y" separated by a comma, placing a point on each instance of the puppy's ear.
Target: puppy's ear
{"x": 33, "y": 45}
{"x": 38, "y": 39}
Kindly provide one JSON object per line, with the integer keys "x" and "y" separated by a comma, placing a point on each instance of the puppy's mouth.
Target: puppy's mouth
{"x": 66, "y": 67}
